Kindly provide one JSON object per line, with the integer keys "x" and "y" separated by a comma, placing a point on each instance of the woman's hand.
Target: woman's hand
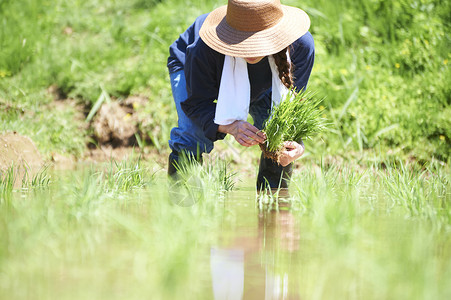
{"x": 244, "y": 132}
{"x": 292, "y": 152}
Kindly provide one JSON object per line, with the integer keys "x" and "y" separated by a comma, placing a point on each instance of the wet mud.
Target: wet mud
{"x": 18, "y": 151}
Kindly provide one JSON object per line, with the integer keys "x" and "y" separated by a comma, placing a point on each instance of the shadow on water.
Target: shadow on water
{"x": 256, "y": 261}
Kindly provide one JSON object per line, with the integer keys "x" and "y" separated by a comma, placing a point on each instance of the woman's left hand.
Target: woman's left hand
{"x": 292, "y": 152}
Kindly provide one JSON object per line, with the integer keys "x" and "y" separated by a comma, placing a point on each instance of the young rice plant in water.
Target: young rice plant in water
{"x": 296, "y": 117}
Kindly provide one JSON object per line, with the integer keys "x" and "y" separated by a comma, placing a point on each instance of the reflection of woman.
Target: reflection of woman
{"x": 258, "y": 264}
{"x": 247, "y": 57}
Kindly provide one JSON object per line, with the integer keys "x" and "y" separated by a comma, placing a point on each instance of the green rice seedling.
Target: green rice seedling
{"x": 35, "y": 179}
{"x": 219, "y": 177}
{"x": 7, "y": 181}
{"x": 84, "y": 193}
{"x": 195, "y": 182}
{"x": 221, "y": 174}
{"x": 227, "y": 180}
{"x": 419, "y": 194}
{"x": 127, "y": 175}
{"x": 41, "y": 179}
{"x": 188, "y": 186}
{"x": 297, "y": 117}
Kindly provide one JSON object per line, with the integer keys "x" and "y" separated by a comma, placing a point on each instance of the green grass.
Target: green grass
{"x": 382, "y": 68}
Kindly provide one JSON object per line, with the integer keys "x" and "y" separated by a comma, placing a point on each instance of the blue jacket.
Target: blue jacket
{"x": 203, "y": 70}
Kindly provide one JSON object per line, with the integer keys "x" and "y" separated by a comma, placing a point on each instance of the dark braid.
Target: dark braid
{"x": 284, "y": 67}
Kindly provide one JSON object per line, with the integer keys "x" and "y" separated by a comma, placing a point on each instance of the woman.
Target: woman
{"x": 240, "y": 58}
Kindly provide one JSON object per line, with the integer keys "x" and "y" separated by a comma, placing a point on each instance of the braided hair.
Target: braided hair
{"x": 284, "y": 67}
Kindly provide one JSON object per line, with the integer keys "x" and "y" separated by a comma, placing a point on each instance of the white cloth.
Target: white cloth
{"x": 235, "y": 91}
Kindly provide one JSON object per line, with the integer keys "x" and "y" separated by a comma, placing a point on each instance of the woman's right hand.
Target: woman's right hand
{"x": 244, "y": 132}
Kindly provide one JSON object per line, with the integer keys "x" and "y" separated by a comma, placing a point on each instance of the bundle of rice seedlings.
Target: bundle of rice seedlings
{"x": 296, "y": 117}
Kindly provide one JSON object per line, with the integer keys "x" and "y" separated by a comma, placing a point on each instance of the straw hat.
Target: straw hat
{"x": 253, "y": 28}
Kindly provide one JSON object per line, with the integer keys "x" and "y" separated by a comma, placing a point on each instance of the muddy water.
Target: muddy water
{"x": 77, "y": 239}
{"x": 253, "y": 258}
{"x": 277, "y": 252}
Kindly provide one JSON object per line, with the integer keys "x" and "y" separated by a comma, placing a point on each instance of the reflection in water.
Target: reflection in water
{"x": 227, "y": 273}
{"x": 256, "y": 265}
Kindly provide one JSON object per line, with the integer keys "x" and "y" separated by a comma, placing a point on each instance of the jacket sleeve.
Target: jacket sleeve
{"x": 302, "y": 56}
{"x": 203, "y": 69}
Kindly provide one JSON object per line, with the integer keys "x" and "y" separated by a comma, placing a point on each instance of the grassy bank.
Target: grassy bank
{"x": 381, "y": 66}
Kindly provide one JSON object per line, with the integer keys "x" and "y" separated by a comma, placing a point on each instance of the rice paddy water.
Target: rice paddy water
{"x": 119, "y": 231}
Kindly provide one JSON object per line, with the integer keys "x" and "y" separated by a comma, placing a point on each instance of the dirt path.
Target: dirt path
{"x": 18, "y": 150}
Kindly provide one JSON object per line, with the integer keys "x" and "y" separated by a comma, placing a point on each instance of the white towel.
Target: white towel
{"x": 235, "y": 90}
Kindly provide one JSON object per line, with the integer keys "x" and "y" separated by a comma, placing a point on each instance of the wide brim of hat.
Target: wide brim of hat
{"x": 220, "y": 36}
